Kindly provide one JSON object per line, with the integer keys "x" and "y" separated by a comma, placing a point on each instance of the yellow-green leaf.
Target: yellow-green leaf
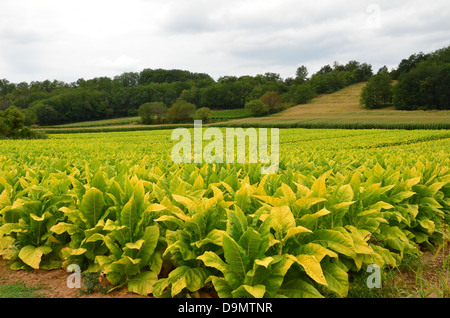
{"x": 311, "y": 266}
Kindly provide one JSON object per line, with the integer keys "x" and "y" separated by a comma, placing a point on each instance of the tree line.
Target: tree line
{"x": 422, "y": 81}
{"x": 55, "y": 102}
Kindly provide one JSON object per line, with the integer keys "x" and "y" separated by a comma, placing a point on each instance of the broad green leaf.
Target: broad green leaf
{"x": 4, "y": 199}
{"x": 126, "y": 266}
{"x": 213, "y": 260}
{"x": 401, "y": 196}
{"x": 178, "y": 286}
{"x": 95, "y": 237}
{"x": 99, "y": 182}
{"x": 360, "y": 240}
{"x": 282, "y": 219}
{"x": 251, "y": 242}
{"x": 135, "y": 245}
{"x": 294, "y": 231}
{"x": 155, "y": 207}
{"x": 8, "y": 228}
{"x": 6, "y": 242}
{"x": 92, "y": 206}
{"x": 214, "y": 237}
{"x": 270, "y": 200}
{"x": 307, "y": 202}
{"x": 312, "y": 267}
{"x": 170, "y": 218}
{"x": 345, "y": 193}
{"x": 222, "y": 288}
{"x": 142, "y": 283}
{"x": 190, "y": 205}
{"x": 334, "y": 240}
{"x": 129, "y": 215}
{"x": 319, "y": 188}
{"x": 235, "y": 256}
{"x": 265, "y": 262}
{"x": 336, "y": 277}
{"x": 150, "y": 238}
{"x": 435, "y": 187}
{"x": 246, "y": 291}
{"x": 318, "y": 251}
{"x": 64, "y": 227}
{"x": 413, "y": 181}
{"x": 428, "y": 225}
{"x": 236, "y": 223}
{"x": 195, "y": 278}
{"x": 270, "y": 275}
{"x": 307, "y": 219}
{"x": 298, "y": 288}
{"x": 32, "y": 255}
{"x": 288, "y": 194}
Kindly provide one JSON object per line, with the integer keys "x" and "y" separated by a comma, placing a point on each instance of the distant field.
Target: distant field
{"x": 133, "y": 123}
{"x": 101, "y": 123}
{"x": 342, "y": 110}
{"x": 338, "y": 110}
{"x": 229, "y": 114}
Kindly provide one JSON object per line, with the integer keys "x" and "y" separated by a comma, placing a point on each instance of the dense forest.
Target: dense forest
{"x": 56, "y": 102}
{"x": 422, "y": 82}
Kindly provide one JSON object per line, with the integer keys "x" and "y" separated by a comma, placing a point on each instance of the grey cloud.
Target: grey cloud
{"x": 219, "y": 37}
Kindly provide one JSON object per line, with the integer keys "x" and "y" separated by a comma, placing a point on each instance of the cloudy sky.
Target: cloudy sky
{"x": 72, "y": 39}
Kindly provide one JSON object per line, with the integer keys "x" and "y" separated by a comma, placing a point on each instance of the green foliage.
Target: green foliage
{"x": 257, "y": 107}
{"x": 303, "y": 93}
{"x": 12, "y": 125}
{"x": 30, "y": 117}
{"x": 45, "y": 114}
{"x": 273, "y": 100}
{"x": 152, "y": 113}
{"x": 204, "y": 114}
{"x": 92, "y": 284}
{"x": 20, "y": 290}
{"x": 181, "y": 111}
{"x": 301, "y": 75}
{"x": 103, "y": 98}
{"x": 171, "y": 230}
{"x": 378, "y": 91}
{"x": 426, "y": 84}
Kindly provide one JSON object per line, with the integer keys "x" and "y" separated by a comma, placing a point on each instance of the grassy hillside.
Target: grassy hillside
{"x": 342, "y": 110}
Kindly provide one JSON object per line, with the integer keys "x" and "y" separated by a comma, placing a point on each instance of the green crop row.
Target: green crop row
{"x": 119, "y": 205}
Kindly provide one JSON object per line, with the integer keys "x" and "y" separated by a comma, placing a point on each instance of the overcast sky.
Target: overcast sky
{"x": 71, "y": 39}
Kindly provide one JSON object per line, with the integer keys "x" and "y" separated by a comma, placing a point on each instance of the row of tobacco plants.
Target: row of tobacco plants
{"x": 172, "y": 230}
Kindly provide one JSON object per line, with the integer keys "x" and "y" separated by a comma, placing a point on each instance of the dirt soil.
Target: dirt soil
{"x": 53, "y": 283}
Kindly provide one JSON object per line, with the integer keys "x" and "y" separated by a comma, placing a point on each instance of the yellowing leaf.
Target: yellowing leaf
{"x": 319, "y": 188}
{"x": 282, "y": 218}
{"x": 142, "y": 283}
{"x": 312, "y": 267}
{"x": 296, "y": 230}
{"x": 289, "y": 195}
{"x": 31, "y": 255}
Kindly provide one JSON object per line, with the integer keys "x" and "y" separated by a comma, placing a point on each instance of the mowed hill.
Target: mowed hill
{"x": 343, "y": 110}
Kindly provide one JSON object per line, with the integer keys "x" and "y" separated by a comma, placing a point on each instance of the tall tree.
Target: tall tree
{"x": 378, "y": 91}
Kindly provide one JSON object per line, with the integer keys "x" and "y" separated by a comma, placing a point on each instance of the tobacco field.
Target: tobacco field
{"x": 116, "y": 203}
